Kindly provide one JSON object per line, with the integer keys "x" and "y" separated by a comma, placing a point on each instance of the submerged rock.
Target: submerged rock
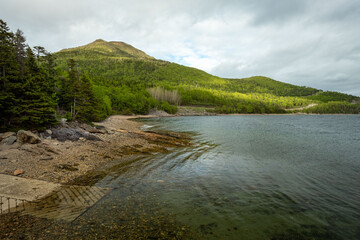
{"x": 27, "y": 137}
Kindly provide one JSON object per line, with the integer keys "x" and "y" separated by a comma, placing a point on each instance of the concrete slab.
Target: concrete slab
{"x": 66, "y": 203}
{"x": 23, "y": 188}
{"x": 16, "y": 191}
{"x": 45, "y": 199}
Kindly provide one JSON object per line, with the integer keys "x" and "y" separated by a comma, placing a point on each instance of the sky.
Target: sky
{"x": 312, "y": 43}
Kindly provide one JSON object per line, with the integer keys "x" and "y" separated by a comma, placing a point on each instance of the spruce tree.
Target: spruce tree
{"x": 9, "y": 77}
{"x": 38, "y": 99}
{"x": 85, "y": 108}
{"x": 66, "y": 93}
{"x": 20, "y": 50}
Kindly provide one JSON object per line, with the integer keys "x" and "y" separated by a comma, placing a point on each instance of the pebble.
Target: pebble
{"x": 18, "y": 172}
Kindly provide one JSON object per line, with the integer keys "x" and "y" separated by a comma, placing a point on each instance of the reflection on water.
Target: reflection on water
{"x": 245, "y": 177}
{"x": 259, "y": 177}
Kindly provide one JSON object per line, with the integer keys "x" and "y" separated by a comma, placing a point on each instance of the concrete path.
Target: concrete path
{"x": 15, "y": 190}
{"x": 45, "y": 199}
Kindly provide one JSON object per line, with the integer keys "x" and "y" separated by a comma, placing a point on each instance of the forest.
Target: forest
{"x": 91, "y": 82}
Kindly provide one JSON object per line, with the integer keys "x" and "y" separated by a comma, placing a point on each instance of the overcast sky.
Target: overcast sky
{"x": 314, "y": 43}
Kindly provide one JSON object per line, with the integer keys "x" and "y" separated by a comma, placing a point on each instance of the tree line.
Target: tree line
{"x": 86, "y": 84}
{"x": 31, "y": 91}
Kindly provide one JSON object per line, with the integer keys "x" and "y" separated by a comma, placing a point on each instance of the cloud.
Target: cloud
{"x": 303, "y": 42}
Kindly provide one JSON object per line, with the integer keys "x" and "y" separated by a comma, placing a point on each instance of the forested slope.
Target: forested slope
{"x": 125, "y": 79}
{"x": 91, "y": 82}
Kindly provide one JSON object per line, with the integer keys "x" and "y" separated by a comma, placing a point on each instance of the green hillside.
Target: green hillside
{"x": 122, "y": 76}
{"x": 91, "y": 82}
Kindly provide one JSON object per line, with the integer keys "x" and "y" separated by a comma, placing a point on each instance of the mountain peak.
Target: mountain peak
{"x": 103, "y": 48}
{"x": 99, "y": 41}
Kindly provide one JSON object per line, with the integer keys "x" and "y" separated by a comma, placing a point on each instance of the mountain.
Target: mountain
{"x": 127, "y": 80}
{"x": 101, "y": 48}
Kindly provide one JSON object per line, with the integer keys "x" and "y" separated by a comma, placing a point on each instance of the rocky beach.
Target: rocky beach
{"x": 69, "y": 151}
{"x": 56, "y": 164}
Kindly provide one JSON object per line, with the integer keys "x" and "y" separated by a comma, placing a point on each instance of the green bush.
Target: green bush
{"x": 171, "y": 109}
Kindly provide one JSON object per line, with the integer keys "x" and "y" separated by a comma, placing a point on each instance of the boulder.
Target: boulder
{"x": 63, "y": 134}
{"x": 9, "y": 140}
{"x": 27, "y": 137}
{"x": 6, "y": 135}
{"x": 48, "y": 132}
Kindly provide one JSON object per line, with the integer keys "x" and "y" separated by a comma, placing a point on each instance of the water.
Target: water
{"x": 246, "y": 177}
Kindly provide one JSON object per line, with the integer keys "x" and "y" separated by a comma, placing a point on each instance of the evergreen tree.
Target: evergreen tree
{"x": 85, "y": 100}
{"x": 66, "y": 99}
{"x": 9, "y": 80}
{"x": 40, "y": 51}
{"x": 20, "y": 52}
{"x": 76, "y": 95}
{"x": 37, "y": 101}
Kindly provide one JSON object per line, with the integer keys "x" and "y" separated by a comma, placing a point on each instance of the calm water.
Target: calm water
{"x": 252, "y": 177}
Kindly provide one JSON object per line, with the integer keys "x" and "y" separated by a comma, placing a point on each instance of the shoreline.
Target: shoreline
{"x": 63, "y": 162}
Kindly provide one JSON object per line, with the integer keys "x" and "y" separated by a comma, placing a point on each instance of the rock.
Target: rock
{"x": 93, "y": 137}
{"x": 46, "y": 158}
{"x": 85, "y": 126}
{"x": 6, "y": 135}
{"x": 63, "y": 134}
{"x": 100, "y": 127}
{"x": 63, "y": 122}
{"x": 29, "y": 148}
{"x": 111, "y": 131}
{"x": 27, "y": 137}
{"x": 48, "y": 132}
{"x": 18, "y": 172}
{"x": 67, "y": 167}
{"x": 48, "y": 148}
{"x": 94, "y": 130}
{"x": 9, "y": 140}
{"x": 159, "y": 113}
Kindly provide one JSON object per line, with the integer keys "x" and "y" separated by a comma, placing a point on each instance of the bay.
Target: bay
{"x": 253, "y": 176}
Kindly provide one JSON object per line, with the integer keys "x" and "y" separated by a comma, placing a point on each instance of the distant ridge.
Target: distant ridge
{"x": 114, "y": 48}
{"x": 124, "y": 78}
